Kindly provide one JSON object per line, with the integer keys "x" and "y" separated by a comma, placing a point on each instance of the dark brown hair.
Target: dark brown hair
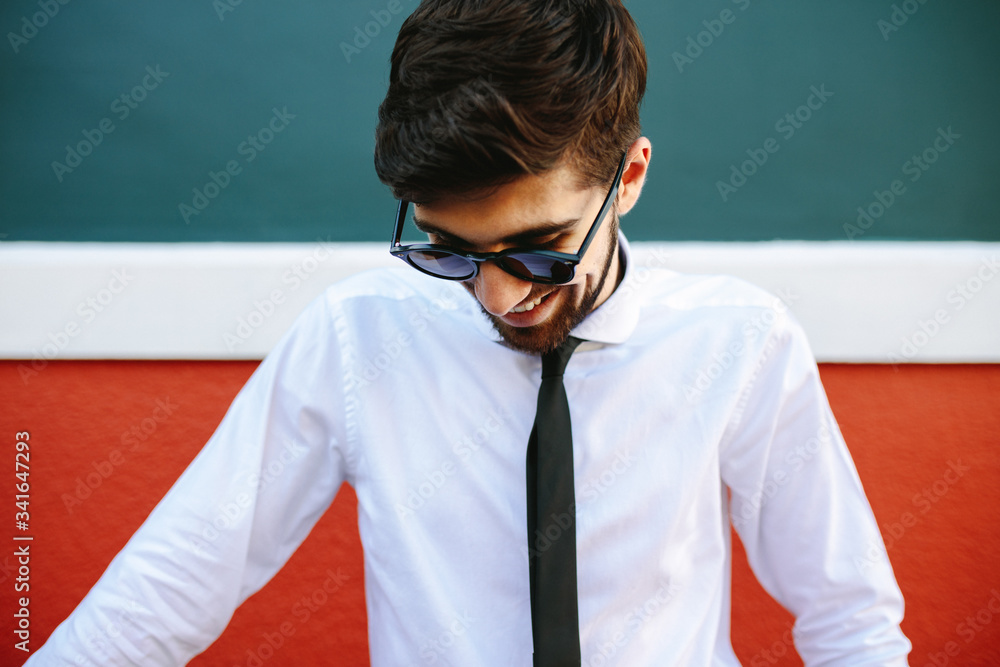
{"x": 482, "y": 92}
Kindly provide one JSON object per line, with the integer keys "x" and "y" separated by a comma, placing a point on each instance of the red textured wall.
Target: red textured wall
{"x": 909, "y": 429}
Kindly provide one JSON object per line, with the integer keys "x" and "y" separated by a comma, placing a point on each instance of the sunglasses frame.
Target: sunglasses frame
{"x": 570, "y": 261}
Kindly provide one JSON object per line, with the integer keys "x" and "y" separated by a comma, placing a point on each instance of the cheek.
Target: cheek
{"x": 594, "y": 262}
{"x": 573, "y": 292}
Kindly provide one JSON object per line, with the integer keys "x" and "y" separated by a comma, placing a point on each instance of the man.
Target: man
{"x": 510, "y": 131}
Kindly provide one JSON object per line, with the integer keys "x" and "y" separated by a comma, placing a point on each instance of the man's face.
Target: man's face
{"x": 546, "y": 212}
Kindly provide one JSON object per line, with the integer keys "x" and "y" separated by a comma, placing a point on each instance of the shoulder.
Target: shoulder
{"x": 716, "y": 312}
{"x": 384, "y": 301}
{"x": 358, "y": 315}
{"x": 389, "y": 284}
{"x": 714, "y": 300}
{"x": 701, "y": 292}
{"x": 387, "y": 289}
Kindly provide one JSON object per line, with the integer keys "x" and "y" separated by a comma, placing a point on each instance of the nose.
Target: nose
{"x": 499, "y": 291}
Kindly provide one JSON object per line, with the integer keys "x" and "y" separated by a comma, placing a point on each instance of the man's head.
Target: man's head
{"x": 504, "y": 115}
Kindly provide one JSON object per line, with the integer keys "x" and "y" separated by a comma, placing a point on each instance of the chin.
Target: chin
{"x": 548, "y": 335}
{"x": 531, "y": 340}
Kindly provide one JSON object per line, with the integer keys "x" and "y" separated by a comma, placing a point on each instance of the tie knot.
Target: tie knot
{"x": 554, "y": 362}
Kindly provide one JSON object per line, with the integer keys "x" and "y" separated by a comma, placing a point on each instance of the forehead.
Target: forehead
{"x": 529, "y": 203}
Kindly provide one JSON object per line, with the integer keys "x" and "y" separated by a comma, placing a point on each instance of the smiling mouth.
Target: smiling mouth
{"x": 530, "y": 305}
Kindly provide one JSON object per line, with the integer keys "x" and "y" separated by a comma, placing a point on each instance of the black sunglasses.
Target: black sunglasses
{"x": 538, "y": 266}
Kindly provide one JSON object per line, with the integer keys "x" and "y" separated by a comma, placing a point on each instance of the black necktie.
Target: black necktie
{"x": 555, "y": 624}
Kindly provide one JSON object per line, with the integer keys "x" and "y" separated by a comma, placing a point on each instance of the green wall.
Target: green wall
{"x": 200, "y": 78}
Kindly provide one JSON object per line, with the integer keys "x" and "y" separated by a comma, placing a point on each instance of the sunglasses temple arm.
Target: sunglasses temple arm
{"x": 397, "y": 232}
{"x": 606, "y": 206}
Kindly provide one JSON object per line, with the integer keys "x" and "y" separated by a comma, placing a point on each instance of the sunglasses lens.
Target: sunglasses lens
{"x": 442, "y": 264}
{"x": 537, "y": 268}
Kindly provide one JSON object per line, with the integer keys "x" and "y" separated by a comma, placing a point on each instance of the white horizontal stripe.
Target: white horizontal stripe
{"x": 859, "y": 302}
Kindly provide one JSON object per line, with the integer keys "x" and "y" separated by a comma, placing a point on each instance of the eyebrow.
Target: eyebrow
{"x": 546, "y": 228}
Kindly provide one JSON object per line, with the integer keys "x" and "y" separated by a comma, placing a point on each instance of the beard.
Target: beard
{"x": 550, "y": 334}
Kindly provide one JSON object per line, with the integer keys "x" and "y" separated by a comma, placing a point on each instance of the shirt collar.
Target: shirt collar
{"x": 614, "y": 320}
{"x": 611, "y": 323}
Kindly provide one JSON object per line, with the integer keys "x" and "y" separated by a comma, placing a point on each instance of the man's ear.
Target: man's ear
{"x": 634, "y": 177}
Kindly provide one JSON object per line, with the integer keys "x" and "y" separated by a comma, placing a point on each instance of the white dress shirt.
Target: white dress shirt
{"x": 695, "y": 403}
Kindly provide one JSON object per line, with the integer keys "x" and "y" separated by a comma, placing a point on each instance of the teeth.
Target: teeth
{"x": 528, "y": 306}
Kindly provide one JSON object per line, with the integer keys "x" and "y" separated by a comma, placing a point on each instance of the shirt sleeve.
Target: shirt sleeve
{"x": 799, "y": 508}
{"x": 231, "y": 520}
